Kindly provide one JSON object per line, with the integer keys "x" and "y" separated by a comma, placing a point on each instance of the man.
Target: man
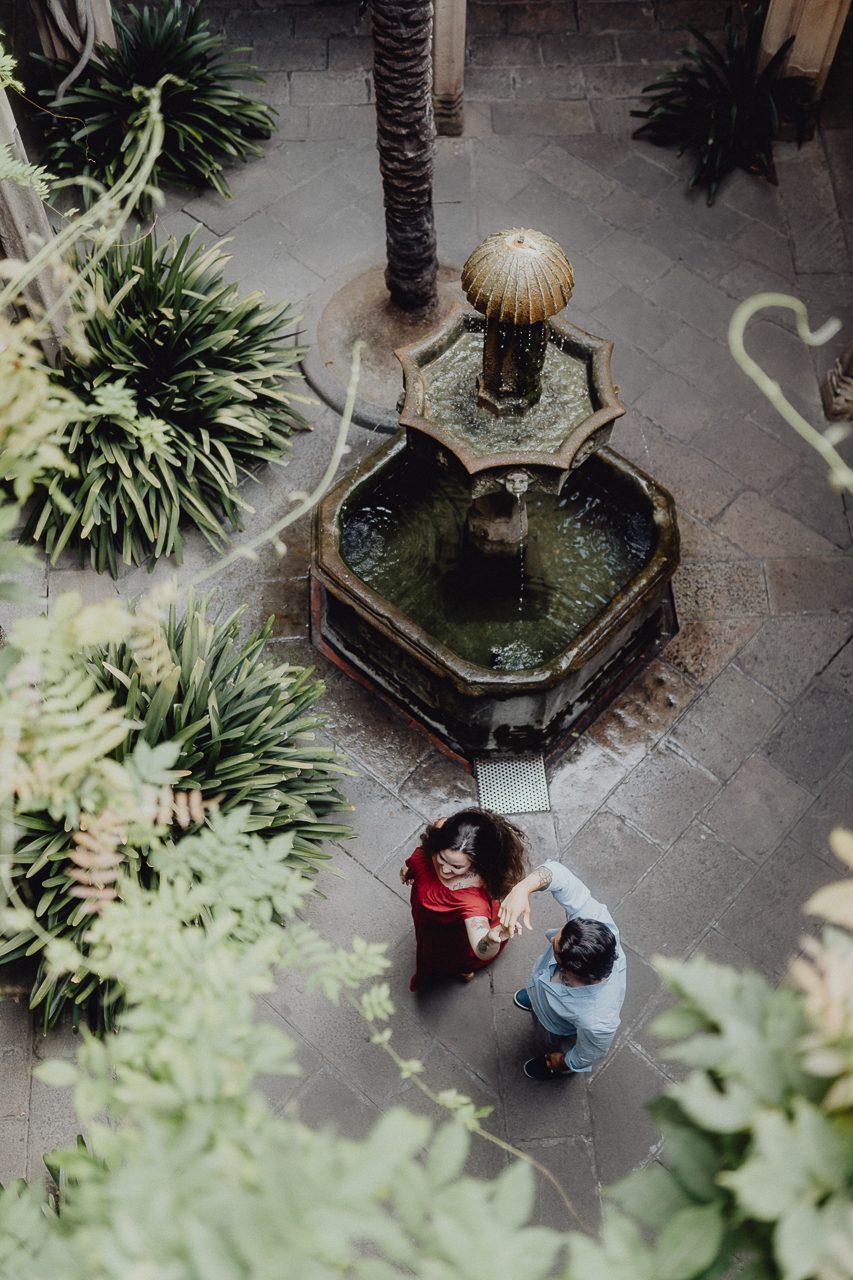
{"x": 578, "y": 984}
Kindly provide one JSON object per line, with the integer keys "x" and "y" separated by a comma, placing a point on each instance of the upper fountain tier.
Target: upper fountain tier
{"x": 544, "y": 392}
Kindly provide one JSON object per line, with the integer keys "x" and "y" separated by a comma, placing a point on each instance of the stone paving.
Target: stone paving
{"x": 698, "y": 805}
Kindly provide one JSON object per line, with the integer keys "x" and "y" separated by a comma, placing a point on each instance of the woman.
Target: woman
{"x": 462, "y": 868}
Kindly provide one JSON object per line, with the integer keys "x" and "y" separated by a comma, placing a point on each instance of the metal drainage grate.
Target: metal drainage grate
{"x": 513, "y": 786}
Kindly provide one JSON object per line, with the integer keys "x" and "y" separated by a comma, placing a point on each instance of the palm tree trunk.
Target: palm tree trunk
{"x": 402, "y": 69}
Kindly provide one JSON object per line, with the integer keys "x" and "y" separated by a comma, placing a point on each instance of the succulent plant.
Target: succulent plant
{"x": 721, "y": 107}
{"x": 208, "y": 117}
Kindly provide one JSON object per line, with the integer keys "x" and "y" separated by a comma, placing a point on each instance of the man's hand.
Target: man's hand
{"x": 515, "y": 908}
{"x": 556, "y": 1060}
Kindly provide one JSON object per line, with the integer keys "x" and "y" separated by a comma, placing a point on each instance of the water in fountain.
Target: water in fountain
{"x": 405, "y": 539}
{"x": 452, "y": 401}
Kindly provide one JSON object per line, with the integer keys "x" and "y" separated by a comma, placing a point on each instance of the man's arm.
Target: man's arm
{"x": 516, "y": 905}
{"x": 587, "y": 1049}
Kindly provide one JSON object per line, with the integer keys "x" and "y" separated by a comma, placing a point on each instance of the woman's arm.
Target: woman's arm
{"x": 516, "y": 905}
{"x": 484, "y": 941}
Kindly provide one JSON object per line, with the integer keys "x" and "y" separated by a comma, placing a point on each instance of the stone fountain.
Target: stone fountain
{"x": 495, "y": 569}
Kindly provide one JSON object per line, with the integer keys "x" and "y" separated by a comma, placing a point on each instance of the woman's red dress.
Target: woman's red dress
{"x": 439, "y": 913}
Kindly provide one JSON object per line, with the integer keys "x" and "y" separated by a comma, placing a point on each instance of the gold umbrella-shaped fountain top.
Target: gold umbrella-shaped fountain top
{"x": 518, "y": 276}
{"x": 517, "y": 279}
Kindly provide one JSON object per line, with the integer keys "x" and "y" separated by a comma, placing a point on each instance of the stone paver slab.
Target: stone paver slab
{"x": 326, "y": 1101}
{"x": 631, "y": 318}
{"x": 380, "y": 821}
{"x": 679, "y": 408}
{"x": 13, "y": 1150}
{"x": 624, "y": 1133}
{"x": 701, "y": 541}
{"x": 374, "y": 734}
{"x": 727, "y": 722}
{"x": 684, "y": 293}
{"x": 686, "y": 890}
{"x": 578, "y": 783}
{"x": 809, "y": 584}
{"x": 544, "y": 119}
{"x": 721, "y": 589}
{"x": 563, "y": 170}
{"x": 611, "y": 857}
{"x": 806, "y": 495}
{"x": 814, "y": 737}
{"x": 663, "y": 795}
{"x": 786, "y": 653}
{"x": 571, "y": 1161}
{"x": 756, "y": 808}
{"x": 596, "y": 17}
{"x": 833, "y": 807}
{"x": 630, "y": 260}
{"x": 696, "y": 482}
{"x": 533, "y": 1109}
{"x": 643, "y": 713}
{"x": 839, "y": 673}
{"x": 438, "y": 785}
{"x": 460, "y": 1016}
{"x": 357, "y": 905}
{"x": 704, "y": 646}
{"x": 766, "y": 919}
{"x": 762, "y": 529}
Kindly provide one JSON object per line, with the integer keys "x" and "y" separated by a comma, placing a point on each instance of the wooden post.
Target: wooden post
{"x": 837, "y": 389}
{"x": 448, "y": 66}
{"x": 24, "y": 228}
{"x": 816, "y": 26}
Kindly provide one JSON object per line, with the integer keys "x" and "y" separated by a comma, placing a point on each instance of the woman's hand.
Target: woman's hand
{"x": 439, "y": 822}
{"x": 515, "y": 909}
{"x": 497, "y": 933}
{"x": 406, "y": 876}
{"x": 556, "y": 1061}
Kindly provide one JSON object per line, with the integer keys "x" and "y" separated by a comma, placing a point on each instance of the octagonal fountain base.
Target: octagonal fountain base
{"x": 481, "y": 680}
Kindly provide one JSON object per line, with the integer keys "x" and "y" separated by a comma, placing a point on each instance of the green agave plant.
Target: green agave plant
{"x": 720, "y": 106}
{"x": 92, "y": 127}
{"x": 188, "y": 384}
{"x": 245, "y": 728}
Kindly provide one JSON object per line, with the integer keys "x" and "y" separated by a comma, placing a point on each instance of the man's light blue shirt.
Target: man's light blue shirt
{"x": 591, "y": 1012}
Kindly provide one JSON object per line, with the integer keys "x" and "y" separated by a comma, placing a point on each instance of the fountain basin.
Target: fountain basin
{"x": 490, "y": 689}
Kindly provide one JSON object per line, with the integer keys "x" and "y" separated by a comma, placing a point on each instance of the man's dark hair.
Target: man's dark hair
{"x": 587, "y": 949}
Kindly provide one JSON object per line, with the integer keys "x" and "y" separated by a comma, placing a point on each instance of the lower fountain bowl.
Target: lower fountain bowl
{"x": 472, "y": 709}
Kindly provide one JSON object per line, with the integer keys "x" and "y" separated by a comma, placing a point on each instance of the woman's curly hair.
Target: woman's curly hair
{"x": 497, "y": 848}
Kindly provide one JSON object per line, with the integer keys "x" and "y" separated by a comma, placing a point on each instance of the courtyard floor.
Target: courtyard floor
{"x": 698, "y": 805}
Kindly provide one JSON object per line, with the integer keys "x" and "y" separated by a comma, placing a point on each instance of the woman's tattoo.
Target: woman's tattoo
{"x": 544, "y": 877}
{"x": 484, "y": 943}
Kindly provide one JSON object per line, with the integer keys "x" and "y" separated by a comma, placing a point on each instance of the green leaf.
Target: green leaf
{"x": 651, "y": 1195}
{"x": 690, "y": 1242}
{"x": 59, "y": 1073}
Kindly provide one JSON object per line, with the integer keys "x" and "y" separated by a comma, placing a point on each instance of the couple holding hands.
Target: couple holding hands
{"x": 470, "y": 896}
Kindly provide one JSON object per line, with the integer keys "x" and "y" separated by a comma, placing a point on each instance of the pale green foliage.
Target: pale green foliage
{"x": 23, "y": 173}
{"x": 188, "y": 1174}
{"x": 758, "y": 1146}
{"x": 33, "y": 416}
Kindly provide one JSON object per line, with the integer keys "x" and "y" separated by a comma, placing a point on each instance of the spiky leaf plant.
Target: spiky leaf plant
{"x": 188, "y": 383}
{"x": 91, "y": 129}
{"x": 720, "y": 106}
{"x": 245, "y": 728}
